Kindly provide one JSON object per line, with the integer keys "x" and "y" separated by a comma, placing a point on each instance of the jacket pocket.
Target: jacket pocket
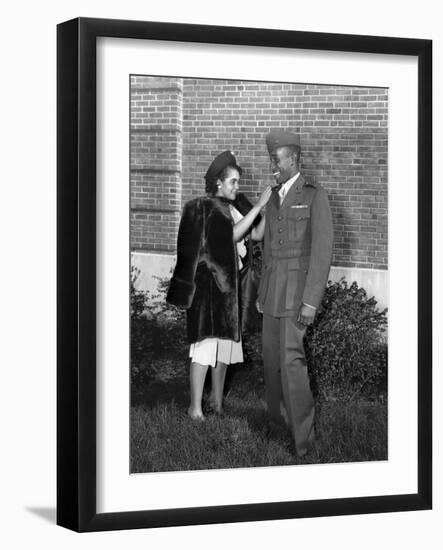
{"x": 298, "y": 222}
{"x": 295, "y": 284}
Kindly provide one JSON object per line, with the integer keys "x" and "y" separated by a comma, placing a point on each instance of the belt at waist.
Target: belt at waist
{"x": 299, "y": 262}
{"x": 289, "y": 253}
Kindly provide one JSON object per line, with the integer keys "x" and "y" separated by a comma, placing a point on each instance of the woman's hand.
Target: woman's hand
{"x": 241, "y": 227}
{"x": 264, "y": 197}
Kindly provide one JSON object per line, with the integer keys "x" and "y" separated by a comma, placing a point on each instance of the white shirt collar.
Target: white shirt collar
{"x": 288, "y": 184}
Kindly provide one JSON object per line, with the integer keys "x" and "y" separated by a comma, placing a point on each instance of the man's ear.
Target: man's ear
{"x": 297, "y": 155}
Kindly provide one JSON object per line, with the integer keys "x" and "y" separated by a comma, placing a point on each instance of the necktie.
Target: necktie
{"x": 282, "y": 193}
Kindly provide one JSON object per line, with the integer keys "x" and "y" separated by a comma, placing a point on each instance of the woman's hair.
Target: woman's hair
{"x": 211, "y": 184}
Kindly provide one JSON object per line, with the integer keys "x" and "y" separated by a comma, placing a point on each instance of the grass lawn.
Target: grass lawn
{"x": 163, "y": 438}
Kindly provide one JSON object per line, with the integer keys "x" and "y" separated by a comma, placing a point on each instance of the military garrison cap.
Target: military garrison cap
{"x": 221, "y": 161}
{"x": 280, "y": 138}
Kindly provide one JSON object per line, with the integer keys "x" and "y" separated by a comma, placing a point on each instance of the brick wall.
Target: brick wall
{"x": 343, "y": 133}
{"x": 156, "y": 162}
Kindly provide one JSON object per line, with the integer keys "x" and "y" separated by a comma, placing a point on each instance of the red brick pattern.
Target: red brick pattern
{"x": 343, "y": 133}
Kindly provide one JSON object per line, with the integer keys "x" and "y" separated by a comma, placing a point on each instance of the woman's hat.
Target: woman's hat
{"x": 222, "y": 160}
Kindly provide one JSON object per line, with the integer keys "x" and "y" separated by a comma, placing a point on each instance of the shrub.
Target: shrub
{"x": 158, "y": 329}
{"x": 168, "y": 322}
{"x": 140, "y": 341}
{"x": 346, "y": 346}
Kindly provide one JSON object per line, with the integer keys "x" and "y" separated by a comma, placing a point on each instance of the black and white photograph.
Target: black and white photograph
{"x": 258, "y": 273}
{"x": 221, "y": 282}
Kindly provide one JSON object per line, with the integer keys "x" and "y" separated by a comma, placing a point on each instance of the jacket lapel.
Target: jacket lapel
{"x": 293, "y": 195}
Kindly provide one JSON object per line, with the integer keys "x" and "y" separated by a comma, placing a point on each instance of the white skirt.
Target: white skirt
{"x": 211, "y": 350}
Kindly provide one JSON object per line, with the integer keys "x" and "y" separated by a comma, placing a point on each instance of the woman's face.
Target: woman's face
{"x": 228, "y": 187}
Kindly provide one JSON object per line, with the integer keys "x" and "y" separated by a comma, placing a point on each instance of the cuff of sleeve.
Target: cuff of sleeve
{"x": 309, "y": 305}
{"x": 180, "y": 293}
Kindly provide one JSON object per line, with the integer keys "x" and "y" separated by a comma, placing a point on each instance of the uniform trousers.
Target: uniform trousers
{"x": 286, "y": 378}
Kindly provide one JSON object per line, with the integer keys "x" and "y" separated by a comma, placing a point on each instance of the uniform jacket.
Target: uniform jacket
{"x": 297, "y": 249}
{"x": 205, "y": 278}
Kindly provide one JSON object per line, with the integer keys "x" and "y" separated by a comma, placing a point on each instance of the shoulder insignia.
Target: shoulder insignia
{"x": 310, "y": 183}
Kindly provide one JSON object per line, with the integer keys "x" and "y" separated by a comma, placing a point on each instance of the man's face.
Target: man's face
{"x": 283, "y": 164}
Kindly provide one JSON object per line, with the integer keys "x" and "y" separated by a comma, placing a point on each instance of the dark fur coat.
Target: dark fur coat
{"x": 205, "y": 278}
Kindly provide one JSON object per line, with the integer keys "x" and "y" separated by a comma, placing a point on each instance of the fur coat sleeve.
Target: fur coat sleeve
{"x": 189, "y": 244}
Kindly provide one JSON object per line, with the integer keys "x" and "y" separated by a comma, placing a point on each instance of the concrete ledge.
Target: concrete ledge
{"x": 374, "y": 281}
{"x": 151, "y": 265}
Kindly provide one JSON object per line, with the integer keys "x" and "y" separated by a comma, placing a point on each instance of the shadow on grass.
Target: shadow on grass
{"x": 157, "y": 389}
{"x": 163, "y": 438}
{"x": 152, "y": 393}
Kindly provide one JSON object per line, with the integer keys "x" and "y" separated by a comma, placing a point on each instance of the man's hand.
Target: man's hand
{"x": 306, "y": 314}
{"x": 257, "y": 305}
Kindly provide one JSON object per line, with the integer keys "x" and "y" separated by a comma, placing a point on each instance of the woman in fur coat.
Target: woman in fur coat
{"x": 205, "y": 279}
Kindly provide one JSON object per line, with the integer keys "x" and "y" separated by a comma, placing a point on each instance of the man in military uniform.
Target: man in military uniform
{"x": 297, "y": 255}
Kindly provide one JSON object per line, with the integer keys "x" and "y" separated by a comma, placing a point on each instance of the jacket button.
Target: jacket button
{"x": 280, "y": 230}
{"x": 280, "y": 242}
{"x": 279, "y": 218}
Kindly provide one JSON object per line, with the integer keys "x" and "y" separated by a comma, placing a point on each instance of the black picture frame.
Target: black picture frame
{"x": 76, "y": 279}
